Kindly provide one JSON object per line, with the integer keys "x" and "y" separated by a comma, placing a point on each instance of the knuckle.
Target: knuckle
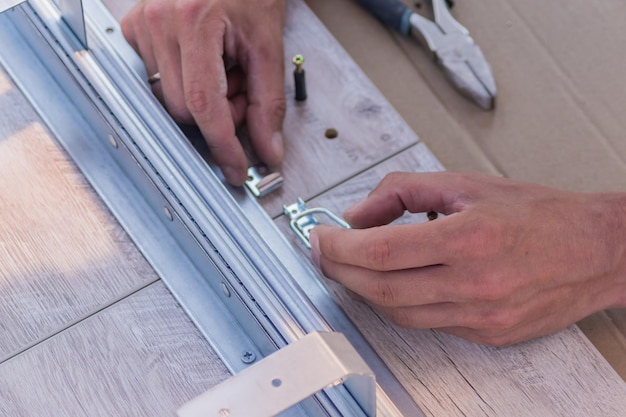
{"x": 278, "y": 107}
{"x": 197, "y": 99}
{"x": 378, "y": 254}
{"x": 496, "y": 339}
{"x": 484, "y": 238}
{"x": 400, "y": 318}
{"x": 392, "y": 179}
{"x": 490, "y": 289}
{"x": 188, "y": 10}
{"x": 498, "y": 321}
{"x": 380, "y": 292}
{"x": 154, "y": 13}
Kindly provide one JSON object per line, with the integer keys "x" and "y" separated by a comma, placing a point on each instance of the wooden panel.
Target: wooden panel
{"x": 63, "y": 255}
{"x": 374, "y": 49}
{"x": 141, "y": 357}
{"x": 339, "y": 97}
{"x": 559, "y": 375}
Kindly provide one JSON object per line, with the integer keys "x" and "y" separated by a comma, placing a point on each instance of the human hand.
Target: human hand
{"x": 220, "y": 63}
{"x": 510, "y": 261}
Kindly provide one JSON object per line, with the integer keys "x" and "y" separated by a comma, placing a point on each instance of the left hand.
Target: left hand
{"x": 510, "y": 260}
{"x": 221, "y": 63}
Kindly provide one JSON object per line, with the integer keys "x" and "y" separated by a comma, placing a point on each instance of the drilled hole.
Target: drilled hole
{"x": 109, "y": 30}
{"x": 331, "y": 133}
{"x": 276, "y": 382}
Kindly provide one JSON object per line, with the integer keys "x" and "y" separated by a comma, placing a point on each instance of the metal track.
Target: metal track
{"x": 206, "y": 240}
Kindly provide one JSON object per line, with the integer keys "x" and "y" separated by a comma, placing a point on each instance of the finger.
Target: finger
{"x": 404, "y": 288}
{"x": 238, "y": 106}
{"x": 236, "y": 82}
{"x": 205, "y": 89}
{"x": 169, "y": 89}
{"x": 137, "y": 34}
{"x": 267, "y": 103}
{"x": 385, "y": 248}
{"x": 506, "y": 337}
{"x": 128, "y": 27}
{"x": 402, "y": 191}
{"x": 430, "y": 316}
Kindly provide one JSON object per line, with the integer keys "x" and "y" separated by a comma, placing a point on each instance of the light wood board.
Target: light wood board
{"x": 139, "y": 355}
{"x": 559, "y": 375}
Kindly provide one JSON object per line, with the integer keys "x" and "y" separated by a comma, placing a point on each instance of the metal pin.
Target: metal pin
{"x": 302, "y": 219}
{"x": 299, "y": 78}
{"x": 260, "y": 182}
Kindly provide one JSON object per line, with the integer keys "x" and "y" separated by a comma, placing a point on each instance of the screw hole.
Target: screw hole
{"x": 276, "y": 382}
{"x": 109, "y": 30}
{"x": 331, "y": 133}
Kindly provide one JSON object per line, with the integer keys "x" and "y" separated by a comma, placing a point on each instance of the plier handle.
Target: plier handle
{"x": 450, "y": 43}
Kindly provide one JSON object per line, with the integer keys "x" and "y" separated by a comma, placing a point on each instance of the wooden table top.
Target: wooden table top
{"x": 87, "y": 328}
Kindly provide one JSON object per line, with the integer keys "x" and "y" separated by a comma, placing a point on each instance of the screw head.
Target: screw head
{"x": 225, "y": 289}
{"x": 248, "y": 357}
{"x": 168, "y": 213}
{"x": 112, "y": 141}
{"x": 298, "y": 60}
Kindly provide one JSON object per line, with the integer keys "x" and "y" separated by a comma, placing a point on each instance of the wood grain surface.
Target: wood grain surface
{"x": 63, "y": 255}
{"x": 87, "y": 328}
{"x": 558, "y": 116}
{"x": 559, "y": 375}
{"x": 140, "y": 357}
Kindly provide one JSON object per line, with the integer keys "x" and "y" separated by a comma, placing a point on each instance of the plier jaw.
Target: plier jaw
{"x": 461, "y": 60}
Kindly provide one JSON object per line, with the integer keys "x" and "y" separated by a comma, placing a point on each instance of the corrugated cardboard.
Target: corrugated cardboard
{"x": 559, "y": 70}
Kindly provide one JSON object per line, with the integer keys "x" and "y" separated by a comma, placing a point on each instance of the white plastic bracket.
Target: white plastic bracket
{"x": 288, "y": 376}
{"x": 9, "y": 4}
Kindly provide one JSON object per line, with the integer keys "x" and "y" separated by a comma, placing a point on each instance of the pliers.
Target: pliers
{"x": 453, "y": 48}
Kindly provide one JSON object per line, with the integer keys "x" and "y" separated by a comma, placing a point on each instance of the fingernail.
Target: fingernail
{"x": 277, "y": 146}
{"x": 233, "y": 175}
{"x": 315, "y": 249}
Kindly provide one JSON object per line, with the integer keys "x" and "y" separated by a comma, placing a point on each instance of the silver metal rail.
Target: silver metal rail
{"x": 214, "y": 246}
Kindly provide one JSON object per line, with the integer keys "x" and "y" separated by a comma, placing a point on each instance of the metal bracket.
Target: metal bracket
{"x": 262, "y": 182}
{"x": 286, "y": 377}
{"x": 74, "y": 16}
{"x": 72, "y": 12}
{"x": 302, "y": 220}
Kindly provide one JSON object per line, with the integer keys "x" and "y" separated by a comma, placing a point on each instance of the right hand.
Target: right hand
{"x": 510, "y": 260}
{"x": 221, "y": 63}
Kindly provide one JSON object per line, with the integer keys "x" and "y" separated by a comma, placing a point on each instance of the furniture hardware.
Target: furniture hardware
{"x": 302, "y": 219}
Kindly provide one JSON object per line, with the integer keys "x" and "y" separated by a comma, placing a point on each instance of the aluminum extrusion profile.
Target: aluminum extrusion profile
{"x": 208, "y": 222}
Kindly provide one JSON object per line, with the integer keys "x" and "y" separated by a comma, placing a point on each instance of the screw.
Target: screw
{"x": 432, "y": 215}
{"x": 299, "y": 78}
{"x": 248, "y": 357}
{"x": 298, "y": 60}
{"x": 168, "y": 213}
{"x": 225, "y": 289}
{"x": 112, "y": 141}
